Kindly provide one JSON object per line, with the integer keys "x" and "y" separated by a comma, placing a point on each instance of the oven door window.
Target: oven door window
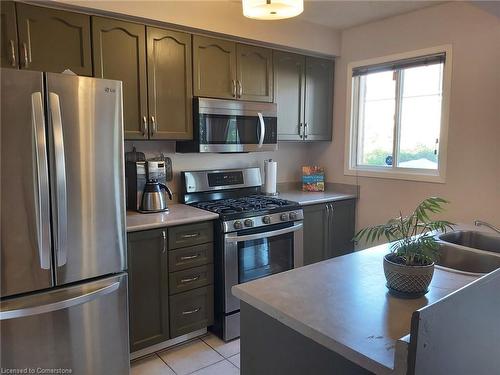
{"x": 264, "y": 257}
{"x": 227, "y": 129}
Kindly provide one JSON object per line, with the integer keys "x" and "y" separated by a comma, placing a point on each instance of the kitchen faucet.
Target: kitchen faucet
{"x": 479, "y": 223}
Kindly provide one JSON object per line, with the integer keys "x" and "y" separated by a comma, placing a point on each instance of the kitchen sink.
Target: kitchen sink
{"x": 467, "y": 259}
{"x": 473, "y": 239}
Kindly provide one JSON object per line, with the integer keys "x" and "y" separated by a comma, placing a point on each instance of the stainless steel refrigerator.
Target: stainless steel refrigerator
{"x": 63, "y": 251}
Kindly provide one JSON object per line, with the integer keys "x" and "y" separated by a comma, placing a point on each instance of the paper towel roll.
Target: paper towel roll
{"x": 270, "y": 176}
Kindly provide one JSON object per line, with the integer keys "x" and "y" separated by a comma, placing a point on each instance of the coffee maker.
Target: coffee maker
{"x": 138, "y": 175}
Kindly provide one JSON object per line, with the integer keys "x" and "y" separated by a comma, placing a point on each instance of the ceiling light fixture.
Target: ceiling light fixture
{"x": 272, "y": 9}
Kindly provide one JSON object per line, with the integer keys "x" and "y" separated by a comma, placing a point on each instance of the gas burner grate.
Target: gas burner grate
{"x": 251, "y": 203}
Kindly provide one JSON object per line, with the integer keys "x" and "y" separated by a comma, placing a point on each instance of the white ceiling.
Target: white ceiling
{"x": 338, "y": 14}
{"x": 344, "y": 14}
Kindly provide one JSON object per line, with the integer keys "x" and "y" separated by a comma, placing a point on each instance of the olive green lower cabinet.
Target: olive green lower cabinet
{"x": 328, "y": 230}
{"x": 170, "y": 283}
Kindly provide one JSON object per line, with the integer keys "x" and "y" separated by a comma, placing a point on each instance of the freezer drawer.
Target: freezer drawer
{"x": 83, "y": 328}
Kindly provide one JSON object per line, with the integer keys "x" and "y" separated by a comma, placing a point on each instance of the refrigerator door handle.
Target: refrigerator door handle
{"x": 63, "y": 302}
{"x": 60, "y": 181}
{"x": 42, "y": 205}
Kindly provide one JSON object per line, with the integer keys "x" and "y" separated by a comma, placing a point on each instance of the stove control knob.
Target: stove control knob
{"x": 284, "y": 217}
{"x": 237, "y": 225}
{"x": 293, "y": 215}
{"x": 248, "y": 223}
{"x": 266, "y": 220}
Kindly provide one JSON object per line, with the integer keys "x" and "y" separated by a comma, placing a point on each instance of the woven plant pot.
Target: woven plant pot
{"x": 407, "y": 281}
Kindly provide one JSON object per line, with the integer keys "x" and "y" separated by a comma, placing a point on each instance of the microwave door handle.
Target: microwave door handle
{"x": 42, "y": 205}
{"x": 235, "y": 238}
{"x": 262, "y": 129}
{"x": 60, "y": 182}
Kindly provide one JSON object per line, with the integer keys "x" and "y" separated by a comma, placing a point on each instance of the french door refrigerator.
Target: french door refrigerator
{"x": 63, "y": 252}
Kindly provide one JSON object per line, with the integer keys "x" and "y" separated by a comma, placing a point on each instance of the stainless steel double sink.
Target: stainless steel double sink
{"x": 469, "y": 251}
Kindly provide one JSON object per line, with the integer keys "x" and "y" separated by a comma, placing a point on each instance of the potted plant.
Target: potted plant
{"x": 409, "y": 266}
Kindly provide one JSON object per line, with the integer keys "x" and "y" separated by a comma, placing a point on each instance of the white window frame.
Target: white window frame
{"x": 351, "y": 135}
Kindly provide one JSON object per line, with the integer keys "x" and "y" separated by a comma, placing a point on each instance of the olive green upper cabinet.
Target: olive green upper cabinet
{"x": 8, "y": 35}
{"x": 170, "y": 87}
{"x": 254, "y": 73}
{"x": 289, "y": 82}
{"x": 214, "y": 63}
{"x": 53, "y": 40}
{"x": 120, "y": 53}
{"x": 318, "y": 99}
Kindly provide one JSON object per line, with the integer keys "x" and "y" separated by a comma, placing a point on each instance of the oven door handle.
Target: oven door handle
{"x": 233, "y": 237}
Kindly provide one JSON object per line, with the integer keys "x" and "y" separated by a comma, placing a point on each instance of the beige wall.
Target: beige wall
{"x": 290, "y": 158}
{"x": 226, "y": 17}
{"x": 473, "y": 173}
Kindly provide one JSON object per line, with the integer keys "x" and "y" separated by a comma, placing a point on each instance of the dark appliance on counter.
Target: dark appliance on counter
{"x": 63, "y": 242}
{"x": 138, "y": 175}
{"x": 232, "y": 126}
{"x": 255, "y": 236}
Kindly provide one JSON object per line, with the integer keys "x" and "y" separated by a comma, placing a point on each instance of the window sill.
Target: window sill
{"x": 410, "y": 175}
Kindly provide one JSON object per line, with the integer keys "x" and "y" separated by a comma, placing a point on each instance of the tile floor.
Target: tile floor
{"x": 207, "y": 355}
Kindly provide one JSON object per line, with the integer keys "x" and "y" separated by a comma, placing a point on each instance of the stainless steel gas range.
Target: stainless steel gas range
{"x": 255, "y": 236}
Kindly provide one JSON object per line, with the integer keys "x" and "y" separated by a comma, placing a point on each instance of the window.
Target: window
{"x": 398, "y": 116}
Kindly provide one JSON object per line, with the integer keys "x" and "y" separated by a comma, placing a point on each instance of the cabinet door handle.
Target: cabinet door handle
{"x": 305, "y": 130}
{"x": 13, "y": 62}
{"x": 164, "y": 241}
{"x": 25, "y": 54}
{"x": 233, "y": 89}
{"x": 330, "y": 222}
{"x": 190, "y": 235}
{"x": 144, "y": 127}
{"x": 190, "y": 257}
{"x": 190, "y": 279}
{"x": 240, "y": 88}
{"x": 326, "y": 236}
{"x": 189, "y": 312}
{"x": 154, "y": 126}
{"x": 300, "y": 129}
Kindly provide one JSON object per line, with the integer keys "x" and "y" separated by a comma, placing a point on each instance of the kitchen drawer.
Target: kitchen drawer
{"x": 189, "y": 235}
{"x": 191, "y": 311}
{"x": 189, "y": 257}
{"x": 182, "y": 281}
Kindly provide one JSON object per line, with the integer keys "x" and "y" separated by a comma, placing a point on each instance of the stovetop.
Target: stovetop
{"x": 253, "y": 205}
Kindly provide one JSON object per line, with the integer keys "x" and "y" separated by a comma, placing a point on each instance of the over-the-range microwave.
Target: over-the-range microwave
{"x": 232, "y": 126}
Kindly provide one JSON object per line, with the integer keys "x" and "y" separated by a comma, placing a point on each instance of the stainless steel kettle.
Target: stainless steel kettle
{"x": 153, "y": 197}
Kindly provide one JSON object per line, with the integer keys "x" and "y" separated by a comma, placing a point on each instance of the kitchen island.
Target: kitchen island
{"x": 333, "y": 315}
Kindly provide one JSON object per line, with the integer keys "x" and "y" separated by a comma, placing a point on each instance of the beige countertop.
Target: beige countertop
{"x": 343, "y": 304}
{"x": 178, "y": 214}
{"x": 307, "y": 198}
{"x": 333, "y": 192}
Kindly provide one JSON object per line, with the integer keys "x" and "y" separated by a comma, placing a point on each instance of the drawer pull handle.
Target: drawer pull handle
{"x": 189, "y": 312}
{"x": 190, "y": 235}
{"x": 190, "y": 279}
{"x": 189, "y": 257}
